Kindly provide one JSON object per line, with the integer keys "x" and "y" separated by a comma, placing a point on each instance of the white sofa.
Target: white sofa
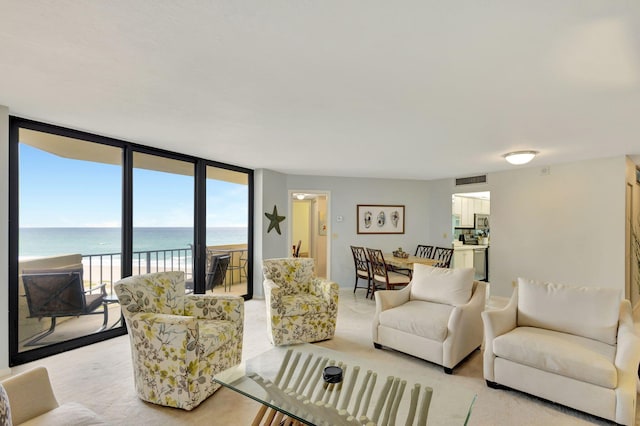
{"x": 436, "y": 317}
{"x": 28, "y": 399}
{"x": 575, "y": 346}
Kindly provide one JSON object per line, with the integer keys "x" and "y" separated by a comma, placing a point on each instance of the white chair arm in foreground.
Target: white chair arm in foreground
{"x": 28, "y": 398}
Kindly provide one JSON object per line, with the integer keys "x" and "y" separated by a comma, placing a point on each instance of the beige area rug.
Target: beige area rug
{"x": 100, "y": 376}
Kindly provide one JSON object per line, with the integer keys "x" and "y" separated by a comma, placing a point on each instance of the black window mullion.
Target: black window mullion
{"x": 200, "y": 226}
{"x": 127, "y": 212}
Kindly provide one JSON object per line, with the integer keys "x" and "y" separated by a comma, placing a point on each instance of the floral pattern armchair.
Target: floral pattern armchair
{"x": 300, "y": 306}
{"x": 179, "y": 341}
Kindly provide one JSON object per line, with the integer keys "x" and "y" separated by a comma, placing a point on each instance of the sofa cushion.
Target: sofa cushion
{"x": 572, "y": 356}
{"x": 583, "y": 311}
{"x": 425, "y": 319}
{"x": 441, "y": 285}
{"x": 69, "y": 414}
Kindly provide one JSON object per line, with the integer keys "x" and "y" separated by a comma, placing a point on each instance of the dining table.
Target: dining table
{"x": 407, "y": 263}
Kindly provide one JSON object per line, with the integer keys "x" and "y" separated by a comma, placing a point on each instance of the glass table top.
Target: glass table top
{"x": 290, "y": 379}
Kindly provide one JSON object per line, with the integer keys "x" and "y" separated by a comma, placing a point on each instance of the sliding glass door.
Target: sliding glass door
{"x": 162, "y": 215}
{"x": 227, "y": 220}
{"x": 69, "y": 241}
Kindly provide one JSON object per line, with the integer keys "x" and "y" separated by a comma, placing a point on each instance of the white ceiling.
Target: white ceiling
{"x": 411, "y": 89}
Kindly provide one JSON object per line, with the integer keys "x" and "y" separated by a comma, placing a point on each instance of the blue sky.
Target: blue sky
{"x": 61, "y": 192}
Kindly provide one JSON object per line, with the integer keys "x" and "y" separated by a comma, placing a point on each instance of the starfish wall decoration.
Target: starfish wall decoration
{"x": 275, "y": 220}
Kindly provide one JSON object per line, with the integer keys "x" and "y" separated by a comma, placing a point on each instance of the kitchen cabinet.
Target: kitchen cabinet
{"x": 457, "y": 206}
{"x": 463, "y": 257}
{"x": 467, "y": 210}
{"x": 472, "y": 256}
{"x": 484, "y": 207}
{"x": 464, "y": 209}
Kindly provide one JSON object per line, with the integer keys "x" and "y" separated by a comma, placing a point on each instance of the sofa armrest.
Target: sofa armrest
{"x": 387, "y": 299}
{"x": 628, "y": 342}
{"x": 269, "y": 285}
{"x": 496, "y": 323}
{"x": 215, "y": 307}
{"x": 166, "y": 334}
{"x": 626, "y": 362}
{"x": 30, "y": 394}
{"x": 500, "y": 321}
{"x": 271, "y": 291}
{"x": 465, "y": 327}
{"x": 328, "y": 290}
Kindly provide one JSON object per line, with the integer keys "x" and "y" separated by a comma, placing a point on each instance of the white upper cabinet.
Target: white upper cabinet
{"x": 465, "y": 208}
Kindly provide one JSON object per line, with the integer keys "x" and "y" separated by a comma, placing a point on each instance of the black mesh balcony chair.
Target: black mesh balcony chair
{"x": 61, "y": 294}
{"x": 216, "y": 275}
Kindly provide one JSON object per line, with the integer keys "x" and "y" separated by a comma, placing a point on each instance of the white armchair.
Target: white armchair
{"x": 575, "y": 346}
{"x": 300, "y": 306}
{"x": 179, "y": 341}
{"x": 436, "y": 317}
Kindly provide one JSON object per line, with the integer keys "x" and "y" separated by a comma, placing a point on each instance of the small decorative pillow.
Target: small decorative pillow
{"x": 5, "y": 409}
{"x": 442, "y": 285}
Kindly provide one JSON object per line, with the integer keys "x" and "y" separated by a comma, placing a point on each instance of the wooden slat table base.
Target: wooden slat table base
{"x": 303, "y": 392}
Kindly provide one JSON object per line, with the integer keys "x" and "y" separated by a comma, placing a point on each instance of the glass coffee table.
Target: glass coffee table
{"x": 289, "y": 383}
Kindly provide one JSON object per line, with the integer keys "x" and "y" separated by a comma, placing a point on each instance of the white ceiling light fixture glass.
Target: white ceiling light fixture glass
{"x": 520, "y": 157}
{"x": 300, "y": 196}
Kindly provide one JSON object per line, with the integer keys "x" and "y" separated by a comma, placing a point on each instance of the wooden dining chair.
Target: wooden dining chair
{"x": 443, "y": 256}
{"x": 426, "y": 252}
{"x": 382, "y": 276}
{"x": 363, "y": 271}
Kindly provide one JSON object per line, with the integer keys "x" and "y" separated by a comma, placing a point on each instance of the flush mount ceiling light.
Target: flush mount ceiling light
{"x": 300, "y": 196}
{"x": 520, "y": 157}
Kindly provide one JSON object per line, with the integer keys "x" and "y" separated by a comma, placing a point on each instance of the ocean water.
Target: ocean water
{"x": 55, "y": 241}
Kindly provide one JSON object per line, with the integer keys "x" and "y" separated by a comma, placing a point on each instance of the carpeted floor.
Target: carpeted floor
{"x": 100, "y": 376}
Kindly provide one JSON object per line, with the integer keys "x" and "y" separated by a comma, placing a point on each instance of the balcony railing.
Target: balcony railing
{"x": 105, "y": 267}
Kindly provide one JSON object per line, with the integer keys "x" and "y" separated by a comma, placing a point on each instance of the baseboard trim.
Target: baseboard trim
{"x": 5, "y": 372}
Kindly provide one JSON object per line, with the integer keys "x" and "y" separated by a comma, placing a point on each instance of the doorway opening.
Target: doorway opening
{"x": 309, "y": 228}
{"x": 470, "y": 222}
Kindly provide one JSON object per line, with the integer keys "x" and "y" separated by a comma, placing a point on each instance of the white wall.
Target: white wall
{"x": 346, "y": 194}
{"x": 4, "y": 240}
{"x": 270, "y": 189}
{"x": 566, "y": 227}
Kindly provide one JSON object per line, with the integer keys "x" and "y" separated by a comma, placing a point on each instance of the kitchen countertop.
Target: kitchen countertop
{"x": 470, "y": 246}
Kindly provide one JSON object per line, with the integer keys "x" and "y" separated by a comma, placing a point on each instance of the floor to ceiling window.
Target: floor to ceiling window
{"x": 227, "y": 217}
{"x": 69, "y": 216}
{"x": 86, "y": 211}
{"x": 162, "y": 215}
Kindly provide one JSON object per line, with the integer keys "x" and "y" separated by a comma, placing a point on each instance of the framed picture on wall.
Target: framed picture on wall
{"x": 380, "y": 219}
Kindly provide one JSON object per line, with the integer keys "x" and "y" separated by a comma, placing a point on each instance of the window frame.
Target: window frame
{"x": 128, "y": 148}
